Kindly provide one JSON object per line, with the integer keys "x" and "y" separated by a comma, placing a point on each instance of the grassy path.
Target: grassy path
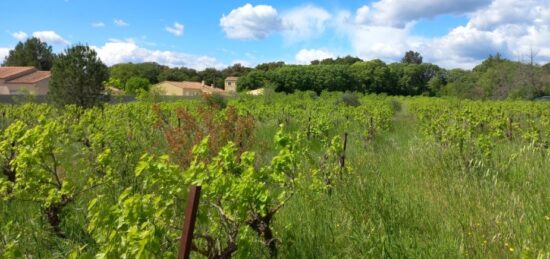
{"x": 410, "y": 202}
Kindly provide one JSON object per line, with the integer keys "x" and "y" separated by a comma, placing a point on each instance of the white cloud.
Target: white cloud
{"x": 383, "y": 42}
{"x": 244, "y": 63}
{"x": 304, "y": 22}
{"x": 20, "y": 35}
{"x": 4, "y": 53}
{"x": 177, "y": 29}
{"x": 98, "y": 24}
{"x": 399, "y": 13}
{"x": 50, "y": 37}
{"x": 362, "y": 15}
{"x": 116, "y": 51}
{"x": 258, "y": 22}
{"x": 120, "y": 23}
{"x": 251, "y": 22}
{"x": 510, "y": 27}
{"x": 502, "y": 12}
{"x": 305, "y": 56}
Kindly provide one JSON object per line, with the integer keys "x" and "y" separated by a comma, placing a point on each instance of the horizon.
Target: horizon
{"x": 451, "y": 34}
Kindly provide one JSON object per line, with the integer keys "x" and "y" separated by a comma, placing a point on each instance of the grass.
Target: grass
{"x": 405, "y": 197}
{"x": 407, "y": 201}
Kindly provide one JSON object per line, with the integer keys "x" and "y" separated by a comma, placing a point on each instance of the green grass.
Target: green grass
{"x": 405, "y": 200}
{"x": 405, "y": 197}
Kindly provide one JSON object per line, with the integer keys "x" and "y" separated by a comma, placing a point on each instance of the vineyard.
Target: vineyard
{"x": 288, "y": 176}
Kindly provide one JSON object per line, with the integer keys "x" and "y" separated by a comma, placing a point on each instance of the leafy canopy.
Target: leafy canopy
{"x": 78, "y": 77}
{"x": 32, "y": 52}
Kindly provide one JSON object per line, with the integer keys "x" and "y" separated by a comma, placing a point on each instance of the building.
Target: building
{"x": 259, "y": 91}
{"x": 231, "y": 84}
{"x": 23, "y": 80}
{"x": 185, "y": 88}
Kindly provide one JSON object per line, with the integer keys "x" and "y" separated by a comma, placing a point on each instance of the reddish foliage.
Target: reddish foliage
{"x": 221, "y": 127}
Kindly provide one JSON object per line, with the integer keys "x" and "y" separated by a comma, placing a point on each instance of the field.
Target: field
{"x": 289, "y": 176}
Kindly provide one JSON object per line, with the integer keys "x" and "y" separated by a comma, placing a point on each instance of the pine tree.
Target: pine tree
{"x": 78, "y": 77}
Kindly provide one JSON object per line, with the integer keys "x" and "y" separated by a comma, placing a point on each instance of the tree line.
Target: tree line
{"x": 494, "y": 78}
{"x": 79, "y": 76}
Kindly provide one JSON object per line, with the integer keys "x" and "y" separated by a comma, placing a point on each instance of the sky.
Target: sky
{"x": 208, "y": 33}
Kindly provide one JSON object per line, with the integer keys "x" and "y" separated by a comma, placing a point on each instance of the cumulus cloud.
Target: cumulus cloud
{"x": 505, "y": 12}
{"x": 260, "y": 21}
{"x": 384, "y": 42}
{"x": 251, "y": 22}
{"x": 362, "y": 15}
{"x": 98, "y": 24}
{"x": 20, "y": 35}
{"x": 399, "y": 13}
{"x": 4, "y": 53}
{"x": 116, "y": 51}
{"x": 305, "y": 56}
{"x": 50, "y": 37}
{"x": 304, "y": 22}
{"x": 176, "y": 29}
{"x": 120, "y": 23}
{"x": 513, "y": 28}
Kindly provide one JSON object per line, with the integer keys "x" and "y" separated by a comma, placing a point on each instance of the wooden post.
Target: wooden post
{"x": 343, "y": 155}
{"x": 186, "y": 239}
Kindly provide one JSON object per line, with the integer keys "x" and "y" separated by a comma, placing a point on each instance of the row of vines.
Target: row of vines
{"x": 112, "y": 181}
{"x": 471, "y": 131}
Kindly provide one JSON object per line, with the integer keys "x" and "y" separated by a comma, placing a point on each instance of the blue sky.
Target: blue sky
{"x": 199, "y": 34}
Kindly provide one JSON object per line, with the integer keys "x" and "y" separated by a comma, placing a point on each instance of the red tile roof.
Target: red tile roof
{"x": 31, "y": 78}
{"x": 7, "y": 73}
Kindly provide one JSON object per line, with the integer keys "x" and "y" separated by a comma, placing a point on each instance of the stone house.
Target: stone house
{"x": 23, "y": 80}
{"x": 231, "y": 84}
{"x": 185, "y": 88}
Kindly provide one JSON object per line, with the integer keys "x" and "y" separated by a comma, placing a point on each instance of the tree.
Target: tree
{"x": 412, "y": 57}
{"x": 137, "y": 84}
{"x": 77, "y": 77}
{"x": 347, "y": 60}
{"x": 312, "y": 78}
{"x": 31, "y": 53}
{"x": 374, "y": 76}
{"x": 149, "y": 70}
{"x": 236, "y": 70}
{"x": 412, "y": 79}
{"x": 213, "y": 77}
{"x": 270, "y": 66}
{"x": 253, "y": 80}
{"x": 490, "y": 62}
{"x": 178, "y": 74}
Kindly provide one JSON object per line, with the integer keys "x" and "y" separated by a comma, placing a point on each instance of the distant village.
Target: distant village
{"x": 29, "y": 80}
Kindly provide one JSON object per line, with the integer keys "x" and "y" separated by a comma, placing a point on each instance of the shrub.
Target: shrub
{"x": 215, "y": 100}
{"x": 136, "y": 85}
{"x": 350, "y": 99}
{"x": 395, "y": 105}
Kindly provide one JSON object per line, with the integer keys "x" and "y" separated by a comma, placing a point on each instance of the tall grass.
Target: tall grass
{"x": 405, "y": 197}
{"x": 407, "y": 200}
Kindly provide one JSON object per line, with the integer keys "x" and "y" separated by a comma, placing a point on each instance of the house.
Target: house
{"x": 231, "y": 84}
{"x": 185, "y": 88}
{"x": 22, "y": 80}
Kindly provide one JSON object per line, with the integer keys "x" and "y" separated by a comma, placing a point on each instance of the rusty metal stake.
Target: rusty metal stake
{"x": 186, "y": 239}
